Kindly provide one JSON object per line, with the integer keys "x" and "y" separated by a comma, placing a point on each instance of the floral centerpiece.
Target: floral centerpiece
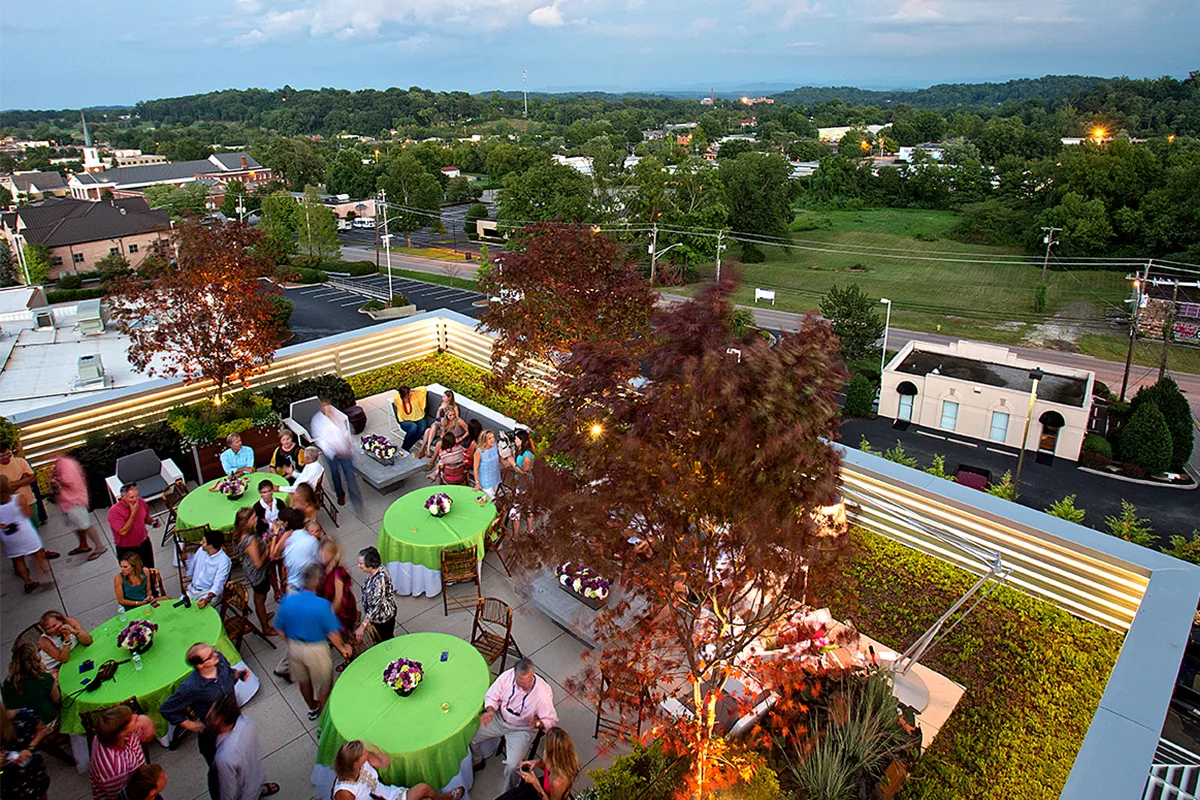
{"x": 137, "y": 636}
{"x": 584, "y": 583}
{"x": 439, "y": 504}
{"x": 403, "y": 675}
{"x": 232, "y": 488}
{"x": 379, "y": 448}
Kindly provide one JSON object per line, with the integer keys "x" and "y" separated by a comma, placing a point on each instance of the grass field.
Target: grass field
{"x": 432, "y": 277}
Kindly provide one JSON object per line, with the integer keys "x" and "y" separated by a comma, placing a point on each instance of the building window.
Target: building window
{"x": 999, "y": 431}
{"x": 906, "y": 407}
{"x": 949, "y": 414}
{"x": 133, "y": 248}
{"x": 56, "y": 261}
{"x": 77, "y": 258}
{"x": 112, "y": 251}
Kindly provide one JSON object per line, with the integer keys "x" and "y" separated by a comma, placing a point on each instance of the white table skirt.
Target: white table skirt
{"x": 322, "y": 779}
{"x": 415, "y": 579}
{"x": 243, "y": 690}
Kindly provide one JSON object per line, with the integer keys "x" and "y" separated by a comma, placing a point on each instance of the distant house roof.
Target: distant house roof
{"x": 450, "y": 169}
{"x": 60, "y": 221}
{"x": 41, "y": 181}
{"x": 1069, "y": 391}
{"x": 144, "y": 174}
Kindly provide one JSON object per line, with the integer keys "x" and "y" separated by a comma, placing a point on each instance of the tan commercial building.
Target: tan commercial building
{"x": 980, "y": 391}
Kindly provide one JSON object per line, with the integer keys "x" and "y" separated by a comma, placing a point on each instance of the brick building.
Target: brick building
{"x": 216, "y": 172}
{"x": 79, "y": 233}
{"x": 34, "y": 185}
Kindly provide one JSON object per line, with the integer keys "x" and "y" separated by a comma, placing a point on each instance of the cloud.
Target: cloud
{"x": 923, "y": 14}
{"x": 700, "y": 26}
{"x": 546, "y": 16}
{"x": 804, "y": 45}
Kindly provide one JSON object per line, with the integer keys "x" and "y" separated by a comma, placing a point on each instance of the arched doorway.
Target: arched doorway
{"x": 908, "y": 392}
{"x": 1052, "y": 422}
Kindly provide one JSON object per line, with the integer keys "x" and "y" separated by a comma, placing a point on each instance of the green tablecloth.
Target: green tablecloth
{"x": 202, "y": 507}
{"x": 164, "y": 665}
{"x": 426, "y": 744}
{"x": 412, "y": 535}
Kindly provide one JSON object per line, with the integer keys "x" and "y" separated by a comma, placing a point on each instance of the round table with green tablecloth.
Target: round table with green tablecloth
{"x": 204, "y": 507}
{"x": 411, "y": 540}
{"x": 427, "y": 741}
{"x": 164, "y": 666}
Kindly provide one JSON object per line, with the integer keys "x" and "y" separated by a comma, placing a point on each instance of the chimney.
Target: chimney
{"x": 244, "y": 164}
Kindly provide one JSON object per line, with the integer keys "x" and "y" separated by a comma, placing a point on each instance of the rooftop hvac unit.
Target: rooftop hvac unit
{"x": 90, "y": 369}
{"x": 43, "y": 318}
{"x": 89, "y": 317}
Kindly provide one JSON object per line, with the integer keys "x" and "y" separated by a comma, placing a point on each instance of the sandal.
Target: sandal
{"x": 458, "y": 793}
{"x": 97, "y": 554}
{"x": 79, "y": 551}
{"x": 31, "y": 587}
{"x": 53, "y": 554}
{"x": 269, "y": 789}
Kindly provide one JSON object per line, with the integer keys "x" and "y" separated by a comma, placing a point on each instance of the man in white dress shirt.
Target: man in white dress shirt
{"x": 310, "y": 473}
{"x": 517, "y": 705}
{"x": 331, "y": 431}
{"x": 209, "y": 570}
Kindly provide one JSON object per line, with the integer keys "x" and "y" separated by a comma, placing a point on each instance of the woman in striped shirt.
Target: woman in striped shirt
{"x": 117, "y": 749}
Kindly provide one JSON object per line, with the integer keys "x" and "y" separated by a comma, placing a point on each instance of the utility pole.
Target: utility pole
{"x": 1168, "y": 330}
{"x": 1133, "y": 321}
{"x": 525, "y": 93}
{"x": 308, "y": 227}
{"x": 376, "y": 225}
{"x": 387, "y": 242}
{"x": 653, "y": 251}
{"x": 720, "y": 247}
{"x": 1049, "y": 243}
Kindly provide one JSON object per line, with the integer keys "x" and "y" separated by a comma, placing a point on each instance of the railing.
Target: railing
{"x": 66, "y": 425}
{"x": 1174, "y": 775}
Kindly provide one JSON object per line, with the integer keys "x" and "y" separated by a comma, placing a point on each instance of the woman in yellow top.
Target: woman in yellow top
{"x": 288, "y": 454}
{"x": 409, "y": 408}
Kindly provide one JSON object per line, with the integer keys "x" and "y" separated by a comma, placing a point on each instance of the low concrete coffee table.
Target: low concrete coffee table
{"x": 387, "y": 477}
{"x": 571, "y": 614}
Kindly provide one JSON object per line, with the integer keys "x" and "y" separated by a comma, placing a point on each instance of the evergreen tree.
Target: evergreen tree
{"x": 1146, "y": 440}
{"x": 1177, "y": 412}
{"x": 853, "y": 318}
{"x": 317, "y": 226}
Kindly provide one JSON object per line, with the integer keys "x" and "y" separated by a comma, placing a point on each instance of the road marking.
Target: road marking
{"x": 358, "y": 302}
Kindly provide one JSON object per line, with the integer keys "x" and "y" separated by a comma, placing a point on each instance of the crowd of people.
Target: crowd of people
{"x": 284, "y": 551}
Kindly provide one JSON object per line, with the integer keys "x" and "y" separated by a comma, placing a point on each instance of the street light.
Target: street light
{"x": 1036, "y": 376}
{"x": 654, "y": 254}
{"x": 883, "y": 356}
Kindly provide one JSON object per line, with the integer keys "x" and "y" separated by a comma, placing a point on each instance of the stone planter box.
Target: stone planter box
{"x": 392, "y": 313}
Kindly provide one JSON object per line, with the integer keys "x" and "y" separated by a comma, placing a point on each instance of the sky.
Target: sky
{"x": 73, "y": 53}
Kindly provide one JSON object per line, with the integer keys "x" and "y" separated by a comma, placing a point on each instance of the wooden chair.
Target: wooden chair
{"x": 491, "y": 633}
{"x": 172, "y": 496}
{"x": 88, "y": 718}
{"x": 235, "y": 614}
{"x": 627, "y": 694}
{"x": 495, "y": 538}
{"x": 326, "y": 502}
{"x": 155, "y": 587}
{"x": 187, "y": 542}
{"x": 30, "y": 635}
{"x": 459, "y": 567}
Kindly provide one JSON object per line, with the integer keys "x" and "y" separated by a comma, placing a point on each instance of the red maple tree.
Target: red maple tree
{"x": 700, "y": 494}
{"x": 568, "y": 284}
{"x": 201, "y": 311}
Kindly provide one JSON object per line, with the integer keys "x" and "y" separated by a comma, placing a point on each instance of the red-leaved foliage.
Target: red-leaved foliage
{"x": 202, "y": 312}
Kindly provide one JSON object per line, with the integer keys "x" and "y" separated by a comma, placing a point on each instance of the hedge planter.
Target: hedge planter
{"x": 392, "y": 313}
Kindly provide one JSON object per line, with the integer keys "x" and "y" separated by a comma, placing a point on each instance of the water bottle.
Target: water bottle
{"x": 137, "y": 662}
{"x": 121, "y": 613}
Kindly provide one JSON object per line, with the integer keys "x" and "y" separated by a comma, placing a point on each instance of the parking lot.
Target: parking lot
{"x": 323, "y": 309}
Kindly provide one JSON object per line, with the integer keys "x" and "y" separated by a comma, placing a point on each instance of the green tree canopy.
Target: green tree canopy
{"x": 853, "y": 316}
{"x": 317, "y": 227}
{"x": 295, "y": 160}
{"x": 1145, "y": 440}
{"x": 758, "y": 193}
{"x": 546, "y": 193}
{"x": 1177, "y": 413}
{"x": 414, "y": 195}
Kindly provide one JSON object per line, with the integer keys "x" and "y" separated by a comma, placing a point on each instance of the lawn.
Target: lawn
{"x": 433, "y": 277}
{"x": 987, "y": 300}
{"x": 1033, "y": 673}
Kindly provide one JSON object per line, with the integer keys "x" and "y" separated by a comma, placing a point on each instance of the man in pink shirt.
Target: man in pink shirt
{"x": 517, "y": 705}
{"x": 127, "y": 519}
{"x": 70, "y": 484}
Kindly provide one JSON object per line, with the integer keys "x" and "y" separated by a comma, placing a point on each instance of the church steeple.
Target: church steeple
{"x": 87, "y": 137}
{"x": 91, "y": 153}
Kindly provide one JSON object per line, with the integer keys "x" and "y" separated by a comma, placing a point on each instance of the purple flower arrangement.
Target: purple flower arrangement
{"x": 233, "y": 488}
{"x": 583, "y": 581}
{"x": 403, "y": 675}
{"x": 137, "y": 636}
{"x": 379, "y": 447}
{"x": 439, "y": 504}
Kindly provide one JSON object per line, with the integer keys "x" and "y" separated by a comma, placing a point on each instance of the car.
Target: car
{"x": 345, "y": 225}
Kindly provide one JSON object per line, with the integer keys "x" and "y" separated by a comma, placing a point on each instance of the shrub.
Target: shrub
{"x": 1146, "y": 440}
{"x": 860, "y": 397}
{"x": 898, "y": 455}
{"x": 938, "y": 468}
{"x": 68, "y": 282}
{"x": 307, "y": 275}
{"x": 1118, "y": 412}
{"x": 1015, "y": 732}
{"x": 865, "y": 446}
{"x": 352, "y": 268}
{"x": 1005, "y": 489}
{"x": 476, "y": 212}
{"x": 1065, "y": 509}
{"x": 336, "y": 389}
{"x": 1133, "y": 471}
{"x": 1095, "y": 443}
{"x": 1100, "y": 389}
{"x": 72, "y": 295}
{"x": 1184, "y": 548}
{"x": 10, "y": 435}
{"x": 1129, "y": 526}
{"x": 1093, "y": 460}
{"x": 646, "y": 772}
{"x": 399, "y": 300}
{"x": 752, "y": 254}
{"x": 741, "y": 321}
{"x": 1176, "y": 412}
{"x": 517, "y": 402}
{"x": 372, "y": 305}
{"x": 204, "y": 423}
{"x": 761, "y": 784}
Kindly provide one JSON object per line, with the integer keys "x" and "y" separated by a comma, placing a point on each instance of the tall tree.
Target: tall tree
{"x": 758, "y": 193}
{"x": 317, "y": 226}
{"x": 204, "y": 316}
{"x": 279, "y": 223}
{"x": 37, "y": 264}
{"x": 178, "y": 201}
{"x": 854, "y": 319}
{"x": 567, "y": 285}
{"x": 295, "y": 160}
{"x": 348, "y": 175}
{"x": 546, "y": 193}
{"x": 719, "y": 466}
{"x": 414, "y": 195}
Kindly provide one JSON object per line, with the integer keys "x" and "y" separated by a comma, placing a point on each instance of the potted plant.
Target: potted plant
{"x": 587, "y": 586}
{"x": 439, "y": 504}
{"x": 403, "y": 675}
{"x": 380, "y": 448}
{"x": 138, "y": 636}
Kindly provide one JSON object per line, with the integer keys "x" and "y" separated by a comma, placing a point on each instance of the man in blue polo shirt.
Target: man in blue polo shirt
{"x": 238, "y": 459}
{"x": 306, "y": 621}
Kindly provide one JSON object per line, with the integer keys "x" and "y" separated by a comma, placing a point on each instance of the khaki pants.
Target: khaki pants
{"x": 516, "y": 741}
{"x": 311, "y": 664}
